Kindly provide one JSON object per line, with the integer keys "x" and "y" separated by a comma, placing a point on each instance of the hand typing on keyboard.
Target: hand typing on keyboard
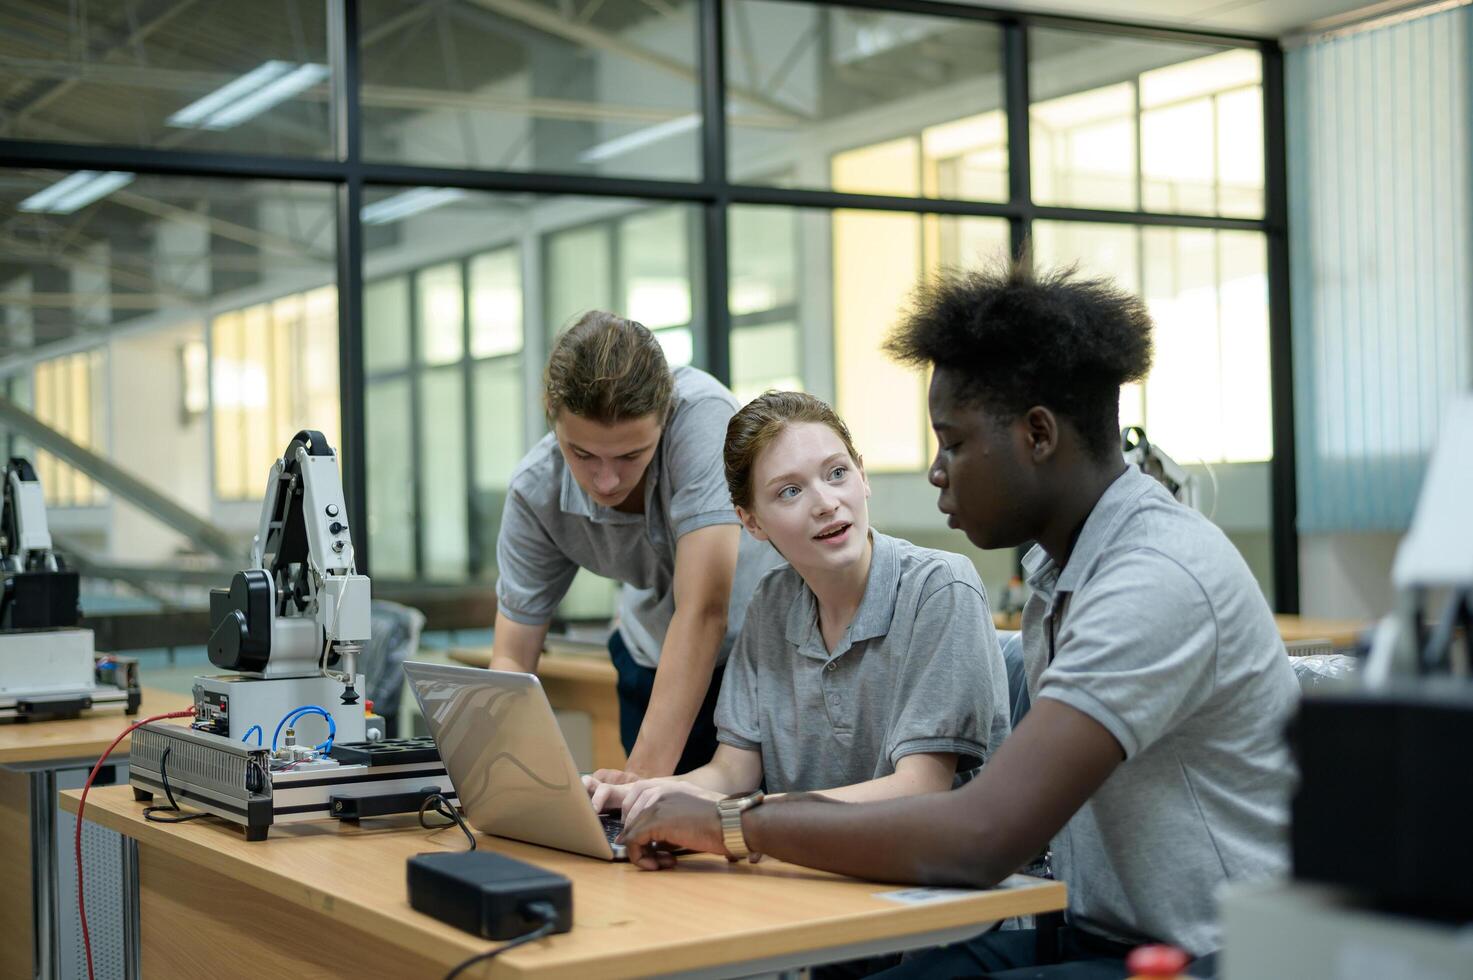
{"x": 632, "y": 798}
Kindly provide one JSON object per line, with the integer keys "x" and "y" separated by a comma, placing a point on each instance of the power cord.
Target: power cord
{"x": 543, "y": 910}
{"x": 441, "y": 805}
{"x": 151, "y": 812}
{"x": 82, "y": 806}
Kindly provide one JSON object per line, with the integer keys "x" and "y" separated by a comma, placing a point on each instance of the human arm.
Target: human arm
{"x": 516, "y": 646}
{"x": 533, "y": 574}
{"x": 974, "y": 836}
{"x": 924, "y": 772}
{"x": 705, "y": 564}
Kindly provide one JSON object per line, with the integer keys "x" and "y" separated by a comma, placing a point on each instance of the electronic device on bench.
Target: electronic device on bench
{"x": 290, "y": 628}
{"x": 486, "y": 893}
{"x": 48, "y": 667}
{"x": 507, "y": 759}
{"x": 1385, "y": 795}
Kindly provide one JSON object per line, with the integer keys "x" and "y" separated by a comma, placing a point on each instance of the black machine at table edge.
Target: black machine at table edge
{"x": 1384, "y": 805}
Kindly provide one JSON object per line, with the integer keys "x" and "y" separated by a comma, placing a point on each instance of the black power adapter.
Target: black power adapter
{"x": 487, "y": 893}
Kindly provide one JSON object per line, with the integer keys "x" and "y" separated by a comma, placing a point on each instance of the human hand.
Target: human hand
{"x": 673, "y": 820}
{"x": 607, "y": 787}
{"x": 638, "y": 796}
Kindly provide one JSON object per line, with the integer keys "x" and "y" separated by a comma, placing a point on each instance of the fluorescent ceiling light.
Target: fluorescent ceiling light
{"x": 76, "y": 191}
{"x": 640, "y": 137}
{"x": 248, "y": 96}
{"x": 414, "y": 201}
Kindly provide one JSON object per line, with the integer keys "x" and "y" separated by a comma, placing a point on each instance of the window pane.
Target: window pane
{"x": 386, "y": 325}
{"x": 208, "y": 75}
{"x": 496, "y": 303}
{"x": 580, "y": 275}
{"x": 877, "y": 259}
{"x": 1208, "y": 394}
{"x": 636, "y": 262}
{"x": 441, "y": 314}
{"x": 1142, "y": 124}
{"x": 864, "y": 101}
{"x": 390, "y": 479}
{"x": 763, "y": 257}
{"x": 442, "y": 475}
{"x": 275, "y": 373}
{"x": 607, "y": 88}
{"x": 653, "y": 249}
{"x": 498, "y": 426}
{"x": 66, "y": 391}
{"x": 765, "y": 357}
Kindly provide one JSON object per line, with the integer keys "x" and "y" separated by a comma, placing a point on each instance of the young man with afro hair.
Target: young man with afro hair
{"x": 1152, "y": 762}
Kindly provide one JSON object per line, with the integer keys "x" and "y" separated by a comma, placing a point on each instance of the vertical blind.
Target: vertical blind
{"x": 1378, "y": 135}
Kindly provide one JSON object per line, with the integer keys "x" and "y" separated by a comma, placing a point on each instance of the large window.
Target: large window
{"x": 1132, "y": 125}
{"x": 524, "y": 161}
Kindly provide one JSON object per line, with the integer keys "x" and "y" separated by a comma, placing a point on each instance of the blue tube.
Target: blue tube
{"x": 260, "y": 734}
{"x": 307, "y": 709}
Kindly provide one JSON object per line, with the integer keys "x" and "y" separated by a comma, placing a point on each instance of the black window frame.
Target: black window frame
{"x": 714, "y": 193}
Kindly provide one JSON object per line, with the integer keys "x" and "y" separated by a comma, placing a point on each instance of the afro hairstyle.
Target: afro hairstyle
{"x": 1015, "y": 339}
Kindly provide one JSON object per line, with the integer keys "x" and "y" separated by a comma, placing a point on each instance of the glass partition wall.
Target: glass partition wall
{"x": 372, "y": 217}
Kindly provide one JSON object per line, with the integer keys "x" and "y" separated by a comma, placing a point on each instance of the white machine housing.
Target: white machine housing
{"x": 1436, "y": 555}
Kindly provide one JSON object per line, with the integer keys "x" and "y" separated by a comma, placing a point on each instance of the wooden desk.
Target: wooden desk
{"x": 31, "y": 755}
{"x": 1339, "y": 633}
{"x": 329, "y": 899}
{"x": 583, "y": 681}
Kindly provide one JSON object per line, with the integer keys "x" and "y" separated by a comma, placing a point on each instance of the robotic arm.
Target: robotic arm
{"x": 39, "y": 592}
{"x": 301, "y": 609}
{"x": 1155, "y": 463}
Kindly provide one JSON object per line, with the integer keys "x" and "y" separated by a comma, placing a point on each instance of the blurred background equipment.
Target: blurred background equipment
{"x": 48, "y": 667}
{"x": 1383, "y": 861}
{"x": 1154, "y": 462}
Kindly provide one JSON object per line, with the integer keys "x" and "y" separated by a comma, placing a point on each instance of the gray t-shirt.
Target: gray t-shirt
{"x": 1157, "y": 630}
{"x": 918, "y": 670}
{"x": 550, "y": 528}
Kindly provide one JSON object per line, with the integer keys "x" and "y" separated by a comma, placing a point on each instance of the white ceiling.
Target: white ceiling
{"x": 1267, "y": 18}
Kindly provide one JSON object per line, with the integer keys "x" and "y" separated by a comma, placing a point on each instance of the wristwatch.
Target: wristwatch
{"x": 731, "y": 810}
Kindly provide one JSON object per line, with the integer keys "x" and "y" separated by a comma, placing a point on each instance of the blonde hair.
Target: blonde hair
{"x": 759, "y": 422}
{"x": 607, "y": 369}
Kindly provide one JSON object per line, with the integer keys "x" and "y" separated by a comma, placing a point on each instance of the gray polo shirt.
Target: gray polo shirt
{"x": 1157, "y": 630}
{"x": 550, "y": 527}
{"x": 918, "y": 670}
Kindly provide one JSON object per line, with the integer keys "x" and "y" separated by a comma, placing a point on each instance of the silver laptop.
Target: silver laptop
{"x": 507, "y": 759}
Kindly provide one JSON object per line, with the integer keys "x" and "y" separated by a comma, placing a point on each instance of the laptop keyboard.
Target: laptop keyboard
{"x": 613, "y": 826}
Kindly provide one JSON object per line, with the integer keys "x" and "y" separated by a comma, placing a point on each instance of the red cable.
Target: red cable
{"x": 82, "y": 803}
